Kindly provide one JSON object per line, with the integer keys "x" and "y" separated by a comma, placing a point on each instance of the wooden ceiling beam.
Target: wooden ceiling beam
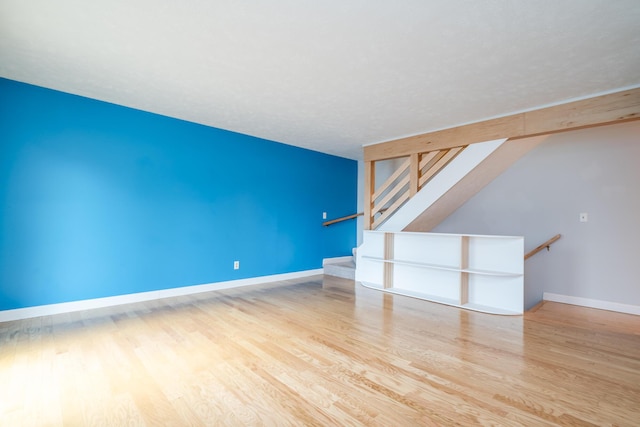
{"x": 598, "y": 111}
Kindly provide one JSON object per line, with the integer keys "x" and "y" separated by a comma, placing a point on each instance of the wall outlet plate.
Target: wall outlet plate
{"x": 584, "y": 217}
{"x": 236, "y": 265}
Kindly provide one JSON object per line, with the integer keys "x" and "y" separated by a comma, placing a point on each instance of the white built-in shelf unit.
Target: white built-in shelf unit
{"x": 481, "y": 273}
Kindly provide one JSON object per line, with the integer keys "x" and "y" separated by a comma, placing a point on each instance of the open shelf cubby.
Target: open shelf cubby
{"x": 476, "y": 272}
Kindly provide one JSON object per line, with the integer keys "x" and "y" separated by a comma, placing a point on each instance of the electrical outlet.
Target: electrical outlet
{"x": 236, "y": 265}
{"x": 324, "y": 215}
{"x": 584, "y": 217}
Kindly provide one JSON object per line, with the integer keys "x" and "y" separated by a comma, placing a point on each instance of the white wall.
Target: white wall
{"x": 595, "y": 171}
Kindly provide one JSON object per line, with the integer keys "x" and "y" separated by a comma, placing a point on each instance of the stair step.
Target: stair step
{"x": 345, "y": 270}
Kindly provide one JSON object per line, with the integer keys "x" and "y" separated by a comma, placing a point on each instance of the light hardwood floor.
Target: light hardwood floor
{"x": 319, "y": 352}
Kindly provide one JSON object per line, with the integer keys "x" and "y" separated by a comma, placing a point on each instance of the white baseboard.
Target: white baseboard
{"x": 592, "y": 303}
{"x": 67, "y": 307}
{"x": 336, "y": 260}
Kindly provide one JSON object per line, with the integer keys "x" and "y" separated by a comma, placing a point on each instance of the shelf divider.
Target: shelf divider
{"x": 464, "y": 265}
{"x": 388, "y": 256}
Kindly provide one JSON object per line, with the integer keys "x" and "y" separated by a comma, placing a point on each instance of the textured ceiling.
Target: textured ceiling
{"x": 327, "y": 75}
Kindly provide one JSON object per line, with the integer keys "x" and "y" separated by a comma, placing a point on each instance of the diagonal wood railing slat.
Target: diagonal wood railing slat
{"x": 394, "y": 176}
{"x": 412, "y": 174}
{"x": 445, "y": 159}
{"x": 393, "y": 189}
{"x": 426, "y": 158}
{"x": 430, "y": 165}
{"x": 391, "y": 209}
{"x": 391, "y": 194}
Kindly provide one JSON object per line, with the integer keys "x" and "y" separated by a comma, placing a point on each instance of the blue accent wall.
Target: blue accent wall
{"x": 100, "y": 200}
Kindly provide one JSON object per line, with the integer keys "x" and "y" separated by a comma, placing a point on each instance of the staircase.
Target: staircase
{"x": 441, "y": 177}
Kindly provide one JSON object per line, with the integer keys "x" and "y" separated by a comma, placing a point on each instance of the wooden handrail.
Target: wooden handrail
{"x": 542, "y": 246}
{"x": 344, "y": 218}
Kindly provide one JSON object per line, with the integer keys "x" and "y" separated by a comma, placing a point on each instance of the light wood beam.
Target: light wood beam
{"x": 598, "y": 111}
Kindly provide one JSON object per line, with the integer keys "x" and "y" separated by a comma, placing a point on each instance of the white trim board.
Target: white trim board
{"x": 336, "y": 260}
{"x": 592, "y": 303}
{"x": 68, "y": 307}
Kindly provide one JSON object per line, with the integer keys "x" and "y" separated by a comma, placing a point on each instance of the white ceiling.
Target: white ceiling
{"x": 327, "y": 75}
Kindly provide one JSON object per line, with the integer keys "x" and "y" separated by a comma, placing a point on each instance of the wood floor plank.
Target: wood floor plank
{"x": 319, "y": 351}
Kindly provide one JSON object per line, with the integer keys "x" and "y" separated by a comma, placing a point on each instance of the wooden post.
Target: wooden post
{"x": 414, "y": 170}
{"x": 369, "y": 188}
